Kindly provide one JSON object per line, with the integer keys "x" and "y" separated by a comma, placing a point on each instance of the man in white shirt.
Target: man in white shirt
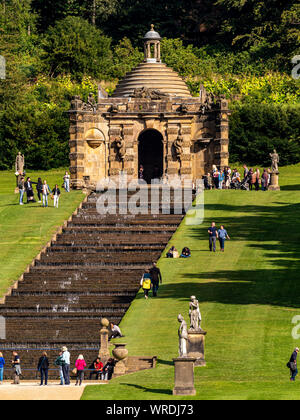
{"x": 66, "y": 365}
{"x": 115, "y": 331}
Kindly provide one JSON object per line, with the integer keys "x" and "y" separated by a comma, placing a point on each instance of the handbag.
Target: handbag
{"x": 292, "y": 366}
{"x": 74, "y": 371}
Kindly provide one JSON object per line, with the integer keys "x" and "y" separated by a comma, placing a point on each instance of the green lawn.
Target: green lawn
{"x": 25, "y": 229}
{"x": 248, "y": 297}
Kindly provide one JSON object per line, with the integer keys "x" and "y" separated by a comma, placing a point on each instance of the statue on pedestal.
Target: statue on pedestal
{"x": 195, "y": 315}
{"x": 275, "y": 161}
{"x": 183, "y": 336}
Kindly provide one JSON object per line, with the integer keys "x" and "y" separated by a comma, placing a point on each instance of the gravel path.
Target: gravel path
{"x": 32, "y": 391}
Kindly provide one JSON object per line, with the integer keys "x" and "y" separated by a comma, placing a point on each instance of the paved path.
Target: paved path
{"x": 32, "y": 391}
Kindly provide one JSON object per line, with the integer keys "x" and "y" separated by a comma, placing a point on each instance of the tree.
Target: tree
{"x": 74, "y": 46}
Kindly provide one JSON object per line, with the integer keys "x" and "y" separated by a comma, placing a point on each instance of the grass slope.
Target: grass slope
{"x": 248, "y": 297}
{"x": 25, "y": 229}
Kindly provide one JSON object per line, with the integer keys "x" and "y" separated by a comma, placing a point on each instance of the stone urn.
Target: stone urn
{"x": 120, "y": 353}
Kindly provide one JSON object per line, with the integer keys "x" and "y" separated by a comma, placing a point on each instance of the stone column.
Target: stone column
{"x": 104, "y": 352}
{"x": 195, "y": 346}
{"x": 184, "y": 376}
{"x": 76, "y": 143}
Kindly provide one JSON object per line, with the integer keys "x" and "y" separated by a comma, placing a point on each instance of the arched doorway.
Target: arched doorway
{"x": 151, "y": 154}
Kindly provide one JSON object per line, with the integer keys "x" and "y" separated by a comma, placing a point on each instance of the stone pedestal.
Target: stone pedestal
{"x": 274, "y": 185}
{"x": 184, "y": 376}
{"x": 120, "y": 353}
{"x": 104, "y": 352}
{"x": 195, "y": 346}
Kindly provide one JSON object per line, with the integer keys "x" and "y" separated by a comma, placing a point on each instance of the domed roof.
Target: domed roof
{"x": 152, "y": 34}
{"x": 152, "y": 76}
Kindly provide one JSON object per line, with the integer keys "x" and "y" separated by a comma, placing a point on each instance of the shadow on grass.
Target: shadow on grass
{"x": 165, "y": 362}
{"x": 150, "y": 390}
{"x": 290, "y": 188}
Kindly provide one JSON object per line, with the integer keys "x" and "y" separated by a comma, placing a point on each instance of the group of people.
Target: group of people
{"x": 43, "y": 190}
{"x": 230, "y": 179}
{"x": 173, "y": 253}
{"x": 104, "y": 372}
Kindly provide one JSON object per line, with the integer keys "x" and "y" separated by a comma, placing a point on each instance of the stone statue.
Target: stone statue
{"x": 178, "y": 146}
{"x": 91, "y": 104}
{"x": 195, "y": 315}
{"x": 20, "y": 163}
{"x": 183, "y": 336}
{"x": 113, "y": 109}
{"x": 183, "y": 109}
{"x": 146, "y": 93}
{"x": 121, "y": 147}
{"x": 275, "y": 161}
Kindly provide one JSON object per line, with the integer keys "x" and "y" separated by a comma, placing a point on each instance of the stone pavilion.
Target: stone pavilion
{"x": 151, "y": 120}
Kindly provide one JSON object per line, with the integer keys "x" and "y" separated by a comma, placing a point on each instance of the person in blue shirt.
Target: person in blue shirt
{"x": 2, "y": 364}
{"x": 222, "y": 235}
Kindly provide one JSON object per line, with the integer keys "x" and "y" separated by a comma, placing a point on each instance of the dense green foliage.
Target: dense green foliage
{"x": 55, "y": 49}
{"x": 255, "y": 131}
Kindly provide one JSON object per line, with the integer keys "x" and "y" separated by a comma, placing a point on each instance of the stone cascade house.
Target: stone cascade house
{"x": 151, "y": 120}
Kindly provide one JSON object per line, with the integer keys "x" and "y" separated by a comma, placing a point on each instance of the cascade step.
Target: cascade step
{"x": 90, "y": 271}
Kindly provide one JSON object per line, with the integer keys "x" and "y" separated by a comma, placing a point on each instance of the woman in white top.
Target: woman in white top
{"x": 67, "y": 182}
{"x": 45, "y": 193}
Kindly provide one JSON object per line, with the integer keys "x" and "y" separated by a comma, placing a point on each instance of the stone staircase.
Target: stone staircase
{"x": 92, "y": 270}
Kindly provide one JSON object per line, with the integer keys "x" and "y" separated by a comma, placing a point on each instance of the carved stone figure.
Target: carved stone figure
{"x": 183, "y": 336}
{"x": 20, "y": 163}
{"x": 146, "y": 93}
{"x": 183, "y": 109}
{"x": 178, "y": 146}
{"x": 195, "y": 315}
{"x": 275, "y": 161}
{"x": 121, "y": 147}
{"x": 91, "y": 104}
{"x": 113, "y": 109}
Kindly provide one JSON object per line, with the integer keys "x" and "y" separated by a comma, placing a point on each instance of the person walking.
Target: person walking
{"x": 265, "y": 180}
{"x": 16, "y": 364}
{"x": 43, "y": 368}
{"x": 59, "y": 362}
{"x": 39, "y": 189}
{"x": 213, "y": 236}
{"x": 146, "y": 283}
{"x": 29, "y": 190}
{"x": 45, "y": 192}
{"x": 56, "y": 195}
{"x": 216, "y": 178}
{"x": 257, "y": 180}
{"x": 80, "y": 365}
{"x": 156, "y": 278}
{"x": 67, "y": 182}
{"x": 21, "y": 187}
{"x": 222, "y": 235}
{"x": 66, "y": 365}
{"x": 2, "y": 364}
{"x": 246, "y": 172}
{"x": 293, "y": 364}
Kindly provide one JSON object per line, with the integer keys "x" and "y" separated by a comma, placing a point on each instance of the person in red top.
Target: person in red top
{"x": 98, "y": 369}
{"x": 80, "y": 366}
